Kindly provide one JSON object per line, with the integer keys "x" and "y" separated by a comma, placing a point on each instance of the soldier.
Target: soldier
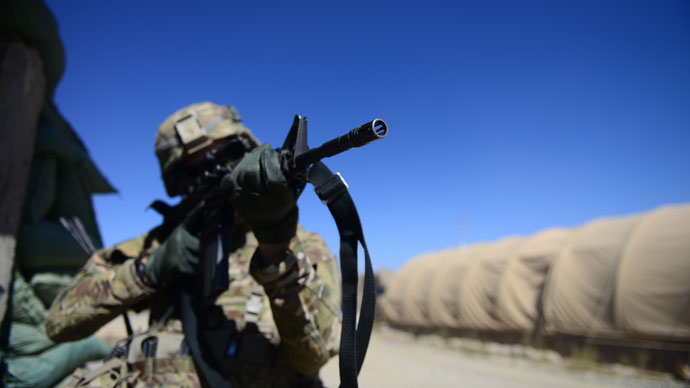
{"x": 283, "y": 295}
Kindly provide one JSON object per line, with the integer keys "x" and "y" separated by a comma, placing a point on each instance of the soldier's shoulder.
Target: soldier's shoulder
{"x": 307, "y": 237}
{"x": 118, "y": 253}
{"x": 314, "y": 245}
{"x": 134, "y": 247}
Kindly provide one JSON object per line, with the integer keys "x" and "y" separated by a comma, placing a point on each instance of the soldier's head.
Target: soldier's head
{"x": 189, "y": 134}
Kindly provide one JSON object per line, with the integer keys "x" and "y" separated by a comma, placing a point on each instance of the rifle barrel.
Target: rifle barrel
{"x": 360, "y": 136}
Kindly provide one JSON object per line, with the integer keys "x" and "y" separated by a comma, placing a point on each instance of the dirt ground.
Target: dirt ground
{"x": 397, "y": 360}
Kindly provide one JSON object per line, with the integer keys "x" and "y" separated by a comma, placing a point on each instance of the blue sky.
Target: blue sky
{"x": 505, "y": 117}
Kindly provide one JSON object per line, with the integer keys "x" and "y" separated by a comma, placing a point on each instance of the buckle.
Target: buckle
{"x": 331, "y": 189}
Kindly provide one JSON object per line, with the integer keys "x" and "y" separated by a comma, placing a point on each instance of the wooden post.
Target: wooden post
{"x": 22, "y": 86}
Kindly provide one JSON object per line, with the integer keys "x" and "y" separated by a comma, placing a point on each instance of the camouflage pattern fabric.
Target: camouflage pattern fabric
{"x": 191, "y": 129}
{"x": 294, "y": 306}
{"x": 167, "y": 368}
{"x": 178, "y": 372}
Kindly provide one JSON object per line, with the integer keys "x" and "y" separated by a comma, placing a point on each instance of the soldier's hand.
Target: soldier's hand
{"x": 262, "y": 195}
{"x": 179, "y": 254}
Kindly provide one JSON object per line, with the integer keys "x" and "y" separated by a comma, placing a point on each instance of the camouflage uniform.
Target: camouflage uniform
{"x": 294, "y": 305}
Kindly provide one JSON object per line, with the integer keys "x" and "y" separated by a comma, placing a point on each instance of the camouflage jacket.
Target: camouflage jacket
{"x": 294, "y": 305}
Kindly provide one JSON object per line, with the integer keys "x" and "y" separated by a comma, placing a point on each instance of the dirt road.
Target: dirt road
{"x": 398, "y": 361}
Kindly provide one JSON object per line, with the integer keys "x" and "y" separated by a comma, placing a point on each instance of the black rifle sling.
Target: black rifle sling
{"x": 190, "y": 325}
{"x": 204, "y": 323}
{"x": 188, "y": 295}
{"x": 354, "y": 339}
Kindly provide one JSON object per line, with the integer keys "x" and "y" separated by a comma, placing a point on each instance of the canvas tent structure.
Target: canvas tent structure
{"x": 579, "y": 296}
{"x": 391, "y": 304}
{"x": 518, "y": 301}
{"x": 416, "y": 292}
{"x": 477, "y": 298}
{"x": 619, "y": 279}
{"x": 444, "y": 291}
{"x": 653, "y": 283}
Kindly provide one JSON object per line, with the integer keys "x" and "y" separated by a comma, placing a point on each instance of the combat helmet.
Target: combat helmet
{"x": 192, "y": 129}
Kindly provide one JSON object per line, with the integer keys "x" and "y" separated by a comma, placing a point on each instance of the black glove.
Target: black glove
{"x": 263, "y": 196}
{"x": 178, "y": 254}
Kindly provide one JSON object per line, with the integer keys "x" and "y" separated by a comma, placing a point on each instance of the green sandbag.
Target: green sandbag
{"x": 52, "y": 366}
{"x": 25, "y": 306}
{"x": 56, "y": 136}
{"x": 25, "y": 340}
{"x": 47, "y": 246}
{"x": 73, "y": 199}
{"x": 47, "y": 285}
{"x": 63, "y": 176}
{"x": 53, "y": 138}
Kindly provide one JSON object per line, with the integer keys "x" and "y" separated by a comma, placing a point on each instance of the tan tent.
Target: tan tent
{"x": 578, "y": 298}
{"x": 417, "y": 290}
{"x": 477, "y": 298}
{"x": 392, "y": 302}
{"x": 653, "y": 294}
{"x": 384, "y": 309}
{"x": 620, "y": 278}
{"x": 443, "y": 295}
{"x": 518, "y": 302}
{"x": 383, "y": 277}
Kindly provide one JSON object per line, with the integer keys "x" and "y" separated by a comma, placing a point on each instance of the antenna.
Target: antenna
{"x": 463, "y": 233}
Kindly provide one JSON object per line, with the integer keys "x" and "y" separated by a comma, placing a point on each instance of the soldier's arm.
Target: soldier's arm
{"x": 100, "y": 291}
{"x": 303, "y": 285}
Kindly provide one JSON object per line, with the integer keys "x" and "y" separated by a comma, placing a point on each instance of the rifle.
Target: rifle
{"x": 299, "y": 164}
{"x": 296, "y": 157}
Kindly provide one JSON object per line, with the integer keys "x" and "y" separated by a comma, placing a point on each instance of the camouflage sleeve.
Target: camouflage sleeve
{"x": 100, "y": 291}
{"x": 304, "y": 290}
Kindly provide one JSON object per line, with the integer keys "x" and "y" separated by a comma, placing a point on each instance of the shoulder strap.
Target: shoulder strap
{"x": 332, "y": 190}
